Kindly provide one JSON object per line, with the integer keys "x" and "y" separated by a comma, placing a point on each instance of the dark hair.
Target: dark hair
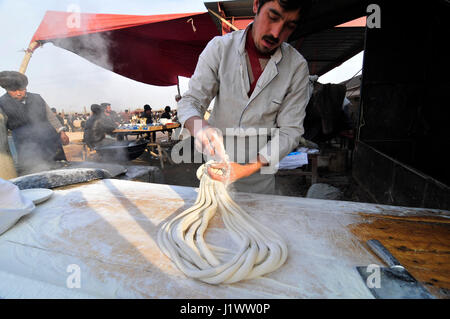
{"x": 167, "y": 108}
{"x": 96, "y": 109}
{"x": 104, "y": 105}
{"x": 290, "y": 5}
{"x": 147, "y": 107}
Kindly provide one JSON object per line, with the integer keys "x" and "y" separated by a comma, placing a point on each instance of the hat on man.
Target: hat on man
{"x": 13, "y": 80}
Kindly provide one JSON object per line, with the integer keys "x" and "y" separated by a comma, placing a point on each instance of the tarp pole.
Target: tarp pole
{"x": 178, "y": 85}
{"x": 27, "y": 57}
{"x": 224, "y": 20}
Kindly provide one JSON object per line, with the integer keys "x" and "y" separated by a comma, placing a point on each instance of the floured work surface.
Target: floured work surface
{"x": 98, "y": 240}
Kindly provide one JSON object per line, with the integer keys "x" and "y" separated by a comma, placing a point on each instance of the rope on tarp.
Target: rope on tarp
{"x": 191, "y": 20}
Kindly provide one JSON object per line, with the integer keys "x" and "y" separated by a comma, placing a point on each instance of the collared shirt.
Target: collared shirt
{"x": 278, "y": 101}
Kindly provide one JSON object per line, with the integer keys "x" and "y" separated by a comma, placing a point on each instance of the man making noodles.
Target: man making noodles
{"x": 37, "y": 134}
{"x": 260, "y": 86}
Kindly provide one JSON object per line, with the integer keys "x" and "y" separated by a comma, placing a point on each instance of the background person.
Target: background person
{"x": 96, "y": 128}
{"x": 110, "y": 114}
{"x": 37, "y": 134}
{"x": 167, "y": 115}
{"x": 148, "y": 115}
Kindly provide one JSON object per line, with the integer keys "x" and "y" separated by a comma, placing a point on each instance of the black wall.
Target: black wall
{"x": 405, "y": 103}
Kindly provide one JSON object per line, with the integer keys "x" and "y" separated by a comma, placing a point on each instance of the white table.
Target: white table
{"x": 105, "y": 232}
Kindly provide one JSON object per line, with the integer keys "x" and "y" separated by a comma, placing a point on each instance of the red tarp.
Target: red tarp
{"x": 149, "y": 49}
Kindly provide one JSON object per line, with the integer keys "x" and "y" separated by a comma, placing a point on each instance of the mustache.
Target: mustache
{"x": 271, "y": 39}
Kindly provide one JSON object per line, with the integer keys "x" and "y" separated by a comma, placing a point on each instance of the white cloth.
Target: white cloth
{"x": 278, "y": 100}
{"x": 293, "y": 160}
{"x": 13, "y": 205}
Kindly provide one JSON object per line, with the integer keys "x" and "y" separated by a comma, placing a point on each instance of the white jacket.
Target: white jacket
{"x": 278, "y": 101}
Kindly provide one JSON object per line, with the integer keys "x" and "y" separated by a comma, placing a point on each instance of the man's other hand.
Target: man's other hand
{"x": 231, "y": 172}
{"x": 64, "y": 138}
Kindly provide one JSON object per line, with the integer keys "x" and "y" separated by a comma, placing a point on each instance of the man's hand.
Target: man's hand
{"x": 64, "y": 138}
{"x": 232, "y": 171}
{"x": 208, "y": 140}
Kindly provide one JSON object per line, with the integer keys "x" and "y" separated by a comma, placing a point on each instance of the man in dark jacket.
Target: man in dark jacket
{"x": 37, "y": 134}
{"x": 166, "y": 114}
{"x": 110, "y": 114}
{"x": 148, "y": 115}
{"x": 97, "y": 127}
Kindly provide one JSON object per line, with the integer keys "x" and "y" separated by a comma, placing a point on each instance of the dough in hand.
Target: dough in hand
{"x": 260, "y": 250}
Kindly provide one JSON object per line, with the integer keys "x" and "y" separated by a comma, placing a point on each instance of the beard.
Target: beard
{"x": 272, "y": 41}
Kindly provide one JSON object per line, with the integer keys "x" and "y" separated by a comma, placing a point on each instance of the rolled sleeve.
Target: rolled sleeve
{"x": 51, "y": 117}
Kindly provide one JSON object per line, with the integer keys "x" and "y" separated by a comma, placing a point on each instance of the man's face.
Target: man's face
{"x": 18, "y": 95}
{"x": 272, "y": 25}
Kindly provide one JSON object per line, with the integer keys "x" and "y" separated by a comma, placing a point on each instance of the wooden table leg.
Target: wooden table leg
{"x": 314, "y": 165}
{"x": 150, "y": 148}
{"x": 160, "y": 155}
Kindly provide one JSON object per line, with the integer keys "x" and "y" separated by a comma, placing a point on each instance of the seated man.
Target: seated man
{"x": 97, "y": 127}
{"x": 148, "y": 115}
{"x": 110, "y": 114}
{"x": 37, "y": 133}
{"x": 167, "y": 115}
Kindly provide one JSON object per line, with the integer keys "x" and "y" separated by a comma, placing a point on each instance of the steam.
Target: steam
{"x": 31, "y": 159}
{"x": 83, "y": 89}
{"x": 94, "y": 47}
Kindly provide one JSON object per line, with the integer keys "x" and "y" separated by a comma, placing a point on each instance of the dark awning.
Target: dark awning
{"x": 322, "y": 39}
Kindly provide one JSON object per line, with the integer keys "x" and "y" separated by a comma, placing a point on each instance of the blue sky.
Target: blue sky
{"x": 67, "y": 81}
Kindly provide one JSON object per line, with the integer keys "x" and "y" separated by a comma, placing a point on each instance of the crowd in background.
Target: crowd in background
{"x": 76, "y": 121}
